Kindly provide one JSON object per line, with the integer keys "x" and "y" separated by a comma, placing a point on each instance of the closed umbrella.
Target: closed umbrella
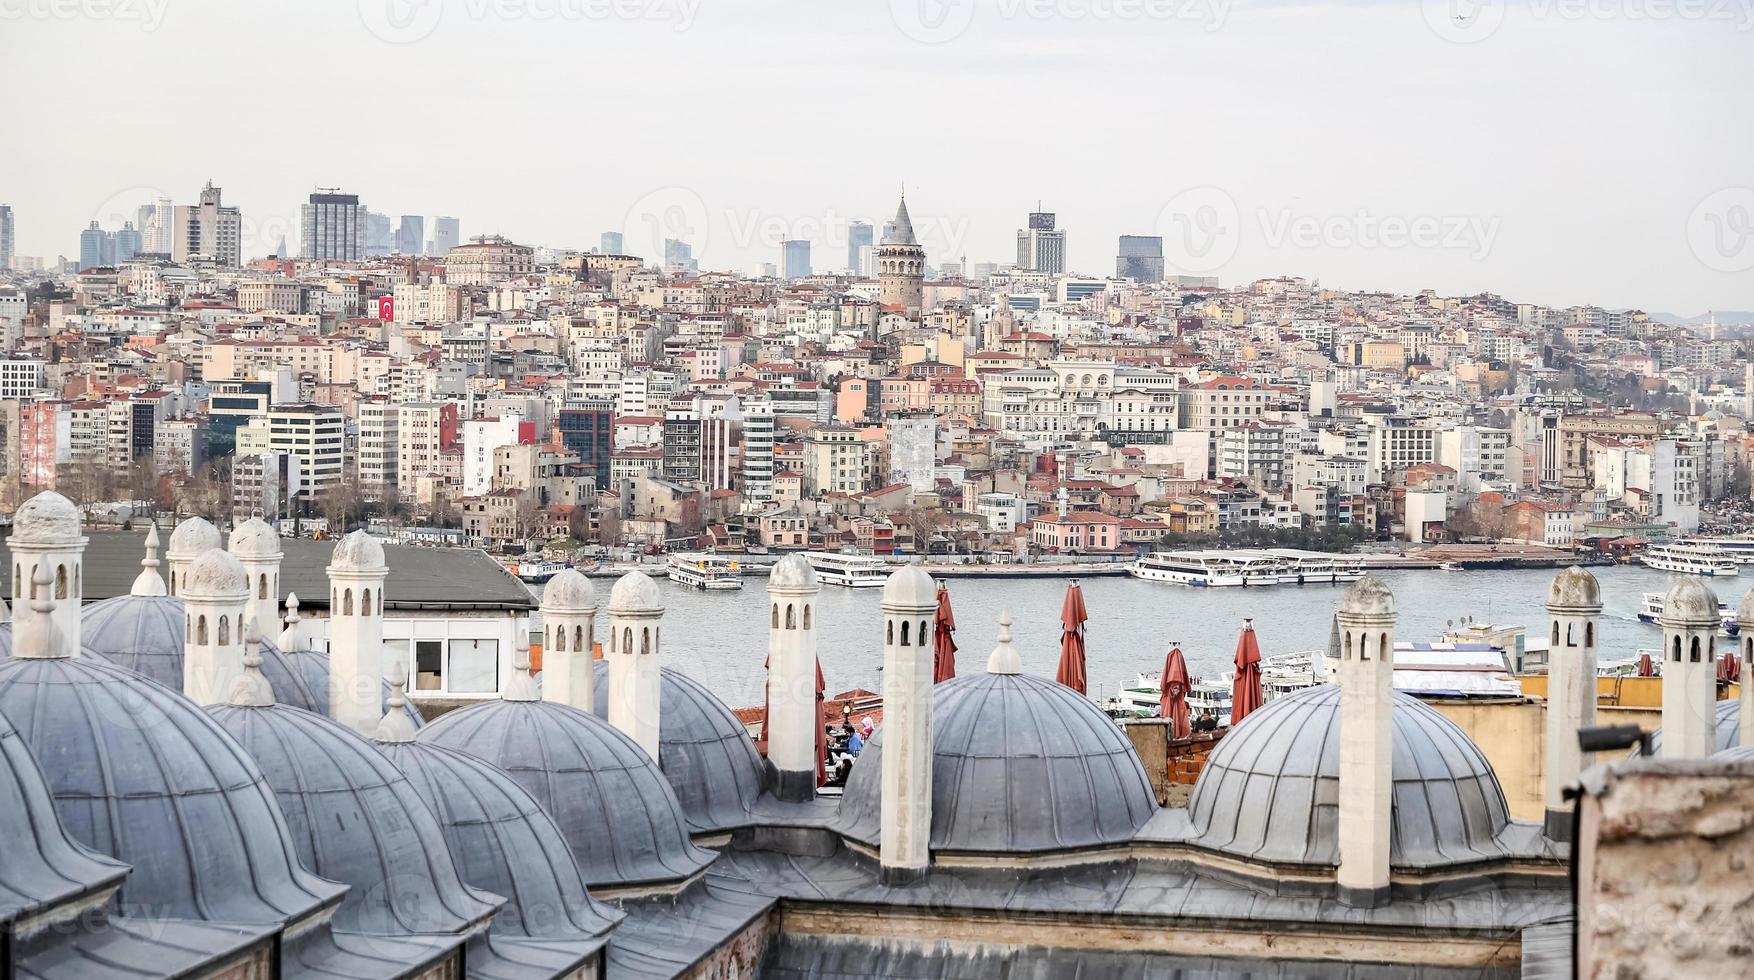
{"x": 1245, "y": 693}
{"x": 943, "y": 644}
{"x": 1729, "y": 669}
{"x": 1072, "y": 616}
{"x": 821, "y": 730}
{"x": 1645, "y": 668}
{"x": 1174, "y": 701}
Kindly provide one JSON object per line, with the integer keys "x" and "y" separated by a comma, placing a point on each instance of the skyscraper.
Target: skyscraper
{"x": 1039, "y": 247}
{"x": 679, "y": 257}
{"x": 446, "y": 235}
{"x": 207, "y": 230}
{"x": 127, "y": 243}
{"x": 96, "y": 248}
{"x": 611, "y": 243}
{"x": 858, "y": 238}
{"x": 334, "y": 227}
{"x": 795, "y": 258}
{"x": 901, "y": 264}
{"x": 411, "y": 235}
{"x": 1140, "y": 258}
{"x": 378, "y": 240}
{"x": 6, "y": 236}
{"x": 155, "y": 222}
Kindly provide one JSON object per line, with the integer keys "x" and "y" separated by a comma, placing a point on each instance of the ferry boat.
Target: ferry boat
{"x": 1652, "y": 611}
{"x": 1144, "y": 697}
{"x": 1739, "y": 550}
{"x": 535, "y": 572}
{"x": 704, "y": 570}
{"x": 1690, "y": 558}
{"x": 1320, "y": 567}
{"x": 1214, "y": 568}
{"x": 852, "y": 571}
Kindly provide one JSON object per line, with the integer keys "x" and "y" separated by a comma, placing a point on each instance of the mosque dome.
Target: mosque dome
{"x": 194, "y": 536}
{"x": 1368, "y": 597}
{"x": 215, "y": 573}
{"x": 635, "y": 592}
{"x": 254, "y": 538}
{"x": 1727, "y": 727}
{"x": 358, "y": 551}
{"x": 703, "y": 750}
{"x": 1270, "y": 790}
{"x": 46, "y": 519}
{"x": 355, "y": 818}
{"x": 569, "y": 591}
{"x": 1737, "y": 753}
{"x": 614, "y": 808}
{"x": 503, "y": 842}
{"x": 792, "y": 572}
{"x": 909, "y": 586}
{"x": 1019, "y": 764}
{"x": 143, "y": 775}
{"x": 1689, "y": 601}
{"x": 1576, "y": 588}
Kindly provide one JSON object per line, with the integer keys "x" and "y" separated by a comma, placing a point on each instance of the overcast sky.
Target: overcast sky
{"x": 1561, "y": 153}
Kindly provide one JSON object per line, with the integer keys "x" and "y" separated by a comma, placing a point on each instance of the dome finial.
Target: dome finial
{"x": 149, "y": 581}
{"x": 36, "y": 636}
{"x": 522, "y": 686}
{"x": 252, "y": 689}
{"x": 1004, "y": 659}
{"x": 396, "y": 726}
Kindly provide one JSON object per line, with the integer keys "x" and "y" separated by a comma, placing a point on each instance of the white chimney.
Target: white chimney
{"x": 569, "y": 606}
{"x": 635, "y": 617}
{"x": 190, "y": 540}
{"x": 47, "y": 535}
{"x": 215, "y": 595}
{"x": 792, "y": 713}
{"x": 1366, "y": 678}
{"x": 1690, "y": 622}
{"x": 904, "y": 848}
{"x": 256, "y": 546}
{"x": 356, "y": 632}
{"x": 1573, "y": 606}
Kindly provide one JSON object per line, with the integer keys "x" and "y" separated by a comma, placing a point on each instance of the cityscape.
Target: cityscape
{"x": 982, "y": 488}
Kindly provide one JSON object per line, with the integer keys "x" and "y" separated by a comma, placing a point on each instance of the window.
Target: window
{"x": 429, "y": 670}
{"x": 473, "y": 667}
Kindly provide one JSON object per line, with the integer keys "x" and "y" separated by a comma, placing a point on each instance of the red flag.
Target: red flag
{"x": 943, "y": 644}
{"x": 1245, "y": 693}
{"x": 1174, "y": 701}
{"x": 1072, "y": 617}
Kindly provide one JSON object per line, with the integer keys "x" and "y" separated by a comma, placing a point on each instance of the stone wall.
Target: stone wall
{"x": 1172, "y": 764}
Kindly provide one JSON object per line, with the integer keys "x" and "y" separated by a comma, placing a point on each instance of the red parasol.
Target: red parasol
{"x": 1729, "y": 669}
{"x": 1174, "y": 703}
{"x": 943, "y": 644}
{"x": 1645, "y": 668}
{"x": 1072, "y": 616}
{"x": 1245, "y": 693}
{"x": 821, "y": 730}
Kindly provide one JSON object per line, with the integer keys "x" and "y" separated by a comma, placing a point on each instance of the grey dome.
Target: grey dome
{"x": 1019, "y": 764}
{"x": 792, "y": 572}
{"x": 569, "y": 591}
{"x": 254, "y": 538}
{"x": 503, "y": 842}
{"x": 355, "y": 818}
{"x": 1270, "y": 791}
{"x": 1368, "y": 597}
{"x": 618, "y": 815}
{"x": 46, "y": 519}
{"x": 215, "y": 574}
{"x": 194, "y": 536}
{"x": 911, "y": 587}
{"x": 635, "y": 592}
{"x": 146, "y": 634}
{"x": 1575, "y": 588}
{"x": 1745, "y": 610}
{"x": 1727, "y": 728}
{"x": 357, "y": 551}
{"x": 141, "y": 774}
{"x": 1690, "y": 602}
{"x": 705, "y": 753}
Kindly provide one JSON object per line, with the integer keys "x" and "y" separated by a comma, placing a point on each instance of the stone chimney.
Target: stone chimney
{"x": 190, "y": 540}
{"x": 1573, "y": 607}
{"x": 636, "y": 614}
{"x": 256, "y": 546}
{"x": 792, "y": 719}
{"x": 569, "y": 606}
{"x": 1690, "y": 622}
{"x": 215, "y": 595}
{"x": 47, "y": 535}
{"x": 356, "y": 632}
{"x": 904, "y": 848}
{"x": 1366, "y": 678}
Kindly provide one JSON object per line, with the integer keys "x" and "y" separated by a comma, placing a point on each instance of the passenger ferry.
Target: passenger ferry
{"x": 1144, "y": 697}
{"x": 704, "y": 570}
{"x": 852, "y": 571}
{"x": 1738, "y": 550}
{"x": 1214, "y": 568}
{"x": 535, "y": 572}
{"x": 1652, "y": 611}
{"x": 1317, "y": 567}
{"x": 1690, "y": 558}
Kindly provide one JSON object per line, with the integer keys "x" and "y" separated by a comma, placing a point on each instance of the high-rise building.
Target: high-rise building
{"x": 587, "y": 431}
{"x": 446, "y": 235}
{"x": 1140, "y": 258}
{"x": 611, "y": 243}
{"x": 679, "y": 258}
{"x": 411, "y": 235}
{"x": 379, "y": 239}
{"x": 334, "y": 227}
{"x": 795, "y": 258}
{"x": 858, "y": 239}
{"x": 6, "y": 240}
{"x": 901, "y": 264}
{"x": 96, "y": 248}
{"x": 379, "y": 448}
{"x": 1039, "y": 247}
{"x": 155, "y": 221}
{"x": 425, "y": 431}
{"x": 207, "y": 230}
{"x": 758, "y": 439}
{"x": 127, "y": 242}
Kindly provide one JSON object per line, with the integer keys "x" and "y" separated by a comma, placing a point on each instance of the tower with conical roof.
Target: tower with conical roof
{"x": 901, "y": 264}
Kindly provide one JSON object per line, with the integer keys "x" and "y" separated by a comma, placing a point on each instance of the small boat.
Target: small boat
{"x": 1688, "y": 558}
{"x": 1450, "y": 566}
{"x": 535, "y": 572}
{"x": 852, "y": 571}
{"x": 705, "y": 571}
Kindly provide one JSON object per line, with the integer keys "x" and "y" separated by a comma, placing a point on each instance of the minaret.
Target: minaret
{"x": 46, "y": 534}
{"x": 1573, "y": 605}
{"x": 1745, "y": 637}
{"x": 792, "y": 712}
{"x": 396, "y": 726}
{"x": 1366, "y": 790}
{"x": 149, "y": 582}
{"x": 1690, "y": 623}
{"x": 904, "y": 848}
{"x": 356, "y": 632}
{"x": 215, "y": 596}
{"x": 569, "y": 605}
{"x": 1004, "y": 658}
{"x": 292, "y": 634}
{"x": 257, "y": 546}
{"x": 635, "y": 615}
{"x": 901, "y": 265}
{"x": 192, "y": 538}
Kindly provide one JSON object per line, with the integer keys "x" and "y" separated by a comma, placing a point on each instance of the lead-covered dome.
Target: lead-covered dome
{"x": 355, "y": 818}
{"x": 705, "y": 753}
{"x": 254, "y": 538}
{"x": 46, "y": 519}
{"x": 194, "y": 536}
{"x": 1368, "y": 597}
{"x": 1270, "y": 791}
{"x": 569, "y": 591}
{"x": 215, "y": 573}
{"x": 357, "y": 551}
{"x": 909, "y": 586}
{"x": 1019, "y": 764}
{"x": 1689, "y": 601}
{"x": 1576, "y": 588}
{"x": 1726, "y": 728}
{"x": 618, "y": 814}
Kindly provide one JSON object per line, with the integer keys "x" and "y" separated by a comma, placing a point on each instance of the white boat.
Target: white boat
{"x": 1690, "y": 558}
{"x": 535, "y": 572}
{"x": 1320, "y": 567}
{"x": 1652, "y": 612}
{"x": 852, "y": 571}
{"x": 1738, "y": 550}
{"x": 704, "y": 570}
{"x": 1214, "y": 568}
{"x": 1144, "y": 697}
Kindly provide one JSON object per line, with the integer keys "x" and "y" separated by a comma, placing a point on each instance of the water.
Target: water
{"x": 720, "y": 638}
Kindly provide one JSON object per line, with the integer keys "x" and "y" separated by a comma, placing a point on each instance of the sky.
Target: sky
{"x": 1552, "y": 151}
